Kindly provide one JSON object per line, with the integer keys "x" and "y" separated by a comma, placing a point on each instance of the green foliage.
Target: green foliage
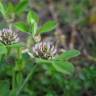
{"x": 21, "y": 26}
{"x": 32, "y": 17}
{"x": 4, "y": 88}
{"x": 3, "y": 49}
{"x": 42, "y": 61}
{"x": 32, "y": 23}
{"x": 48, "y": 26}
{"x": 19, "y": 78}
{"x": 64, "y": 67}
{"x": 32, "y": 76}
{"x": 61, "y": 63}
{"x": 68, "y": 55}
{"x": 16, "y": 45}
{"x": 2, "y": 9}
{"x": 10, "y": 11}
{"x": 25, "y": 67}
{"x": 20, "y": 7}
{"x": 10, "y": 8}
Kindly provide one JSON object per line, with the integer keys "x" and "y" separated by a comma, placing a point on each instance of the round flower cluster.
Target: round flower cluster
{"x": 44, "y": 50}
{"x": 8, "y": 37}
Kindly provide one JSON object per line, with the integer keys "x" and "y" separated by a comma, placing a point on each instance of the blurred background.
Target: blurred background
{"x": 76, "y": 29}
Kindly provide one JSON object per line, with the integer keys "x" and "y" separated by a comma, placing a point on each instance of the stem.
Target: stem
{"x": 8, "y": 50}
{"x": 26, "y": 80}
{"x": 13, "y": 80}
{"x": 30, "y": 41}
{"x": 19, "y": 54}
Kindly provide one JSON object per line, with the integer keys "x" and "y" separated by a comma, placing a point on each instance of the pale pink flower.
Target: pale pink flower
{"x": 44, "y": 50}
{"x": 8, "y": 36}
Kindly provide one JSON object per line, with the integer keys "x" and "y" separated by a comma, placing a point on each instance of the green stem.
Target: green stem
{"x": 30, "y": 41}
{"x": 8, "y": 50}
{"x": 19, "y": 54}
{"x": 13, "y": 80}
{"x": 25, "y": 81}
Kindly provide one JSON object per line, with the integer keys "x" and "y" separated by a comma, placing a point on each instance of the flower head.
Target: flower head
{"x": 44, "y": 50}
{"x": 8, "y": 36}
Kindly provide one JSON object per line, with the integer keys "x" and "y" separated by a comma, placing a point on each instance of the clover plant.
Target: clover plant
{"x": 27, "y": 59}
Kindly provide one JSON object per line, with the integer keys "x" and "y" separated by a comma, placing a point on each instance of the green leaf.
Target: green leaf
{"x": 4, "y": 88}
{"x": 2, "y": 9}
{"x": 48, "y": 26}
{"x": 34, "y": 29}
{"x": 32, "y": 17}
{"x": 19, "y": 78}
{"x": 20, "y": 65}
{"x": 47, "y": 65}
{"x": 3, "y": 49}
{"x": 21, "y": 26}
{"x": 49, "y": 94}
{"x": 16, "y": 45}
{"x": 42, "y": 61}
{"x": 68, "y": 55}
{"x": 21, "y": 6}
{"x": 10, "y": 8}
{"x": 63, "y": 67}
